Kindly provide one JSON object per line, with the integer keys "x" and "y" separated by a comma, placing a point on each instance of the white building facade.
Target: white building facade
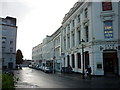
{"x": 48, "y": 52}
{"x": 97, "y": 24}
{"x": 9, "y": 34}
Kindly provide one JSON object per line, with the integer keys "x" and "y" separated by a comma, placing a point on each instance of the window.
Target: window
{"x": 3, "y": 42}
{"x": 79, "y": 36}
{"x": 64, "y": 31}
{"x": 73, "y": 61}
{"x": 3, "y": 60}
{"x": 73, "y": 23}
{"x": 11, "y": 49}
{"x": 73, "y": 39}
{"x": 107, "y": 5}
{"x": 86, "y": 13}
{"x": 78, "y": 19}
{"x": 68, "y": 60}
{"x": 87, "y": 33}
{"x": 108, "y": 30}
{"x": 3, "y": 49}
{"x": 64, "y": 43}
{"x": 64, "y": 61}
{"x": 68, "y": 26}
{"x": 11, "y": 42}
{"x": 4, "y": 32}
{"x": 68, "y": 44}
{"x": 86, "y": 59}
{"x": 79, "y": 60}
{"x": 99, "y": 66}
{"x": 10, "y": 59}
{"x": 12, "y": 33}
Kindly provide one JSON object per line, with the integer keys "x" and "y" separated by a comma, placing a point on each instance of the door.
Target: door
{"x": 110, "y": 62}
{"x": 10, "y": 65}
{"x": 109, "y": 66}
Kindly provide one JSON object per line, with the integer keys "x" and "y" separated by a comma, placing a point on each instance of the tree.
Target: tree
{"x": 19, "y": 57}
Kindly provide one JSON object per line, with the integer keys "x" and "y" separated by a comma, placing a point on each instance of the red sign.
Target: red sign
{"x": 106, "y": 6}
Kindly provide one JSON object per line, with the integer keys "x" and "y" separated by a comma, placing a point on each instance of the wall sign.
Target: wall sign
{"x": 106, "y": 5}
{"x": 108, "y": 30}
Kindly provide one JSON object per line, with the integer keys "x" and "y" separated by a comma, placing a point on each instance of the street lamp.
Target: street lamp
{"x": 54, "y": 64}
{"x": 83, "y": 59}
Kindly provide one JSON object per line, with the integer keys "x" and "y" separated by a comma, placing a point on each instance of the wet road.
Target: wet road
{"x": 37, "y": 79}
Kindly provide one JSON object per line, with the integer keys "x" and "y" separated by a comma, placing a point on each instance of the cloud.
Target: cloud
{"x": 14, "y": 9}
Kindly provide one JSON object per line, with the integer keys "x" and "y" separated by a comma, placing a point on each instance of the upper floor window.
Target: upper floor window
{"x": 68, "y": 26}
{"x": 106, "y": 5}
{"x": 11, "y": 42}
{"x": 73, "y": 23}
{"x": 87, "y": 33}
{"x": 64, "y": 43}
{"x": 78, "y": 18}
{"x": 12, "y": 33}
{"x": 3, "y": 41}
{"x": 3, "y": 49}
{"x": 73, "y": 39}
{"x": 4, "y": 32}
{"x": 64, "y": 31}
{"x": 79, "y": 36}
{"x": 86, "y": 13}
{"x": 68, "y": 42}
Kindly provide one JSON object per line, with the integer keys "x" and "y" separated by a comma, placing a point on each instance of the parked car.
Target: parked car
{"x": 43, "y": 68}
{"x": 48, "y": 69}
{"x": 30, "y": 66}
{"x": 40, "y": 67}
{"x": 37, "y": 67}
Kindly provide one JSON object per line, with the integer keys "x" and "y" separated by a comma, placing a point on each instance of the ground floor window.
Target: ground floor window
{"x": 86, "y": 59}
{"x": 73, "y": 61}
{"x": 68, "y": 60}
{"x": 79, "y": 60}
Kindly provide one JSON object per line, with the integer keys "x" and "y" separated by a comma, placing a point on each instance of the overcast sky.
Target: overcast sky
{"x": 35, "y": 19}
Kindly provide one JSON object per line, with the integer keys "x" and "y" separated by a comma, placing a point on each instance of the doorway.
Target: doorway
{"x": 10, "y": 65}
{"x": 110, "y": 61}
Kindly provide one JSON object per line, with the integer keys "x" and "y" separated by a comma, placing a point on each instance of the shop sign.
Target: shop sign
{"x": 108, "y": 30}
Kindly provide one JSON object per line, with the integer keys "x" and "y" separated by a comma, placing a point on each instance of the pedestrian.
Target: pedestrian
{"x": 89, "y": 72}
{"x": 69, "y": 69}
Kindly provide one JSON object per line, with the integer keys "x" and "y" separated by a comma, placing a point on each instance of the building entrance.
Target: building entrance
{"x": 10, "y": 65}
{"x": 110, "y": 62}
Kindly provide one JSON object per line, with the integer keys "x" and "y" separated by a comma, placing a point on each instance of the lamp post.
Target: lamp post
{"x": 54, "y": 57}
{"x": 54, "y": 64}
{"x": 83, "y": 59}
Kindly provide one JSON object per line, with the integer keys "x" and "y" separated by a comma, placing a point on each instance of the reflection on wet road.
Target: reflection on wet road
{"x": 37, "y": 78}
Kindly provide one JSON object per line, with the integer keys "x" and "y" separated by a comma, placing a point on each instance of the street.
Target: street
{"x": 31, "y": 78}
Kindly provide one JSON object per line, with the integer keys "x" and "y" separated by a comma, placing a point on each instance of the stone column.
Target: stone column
{"x": 70, "y": 60}
{"x": 76, "y": 63}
